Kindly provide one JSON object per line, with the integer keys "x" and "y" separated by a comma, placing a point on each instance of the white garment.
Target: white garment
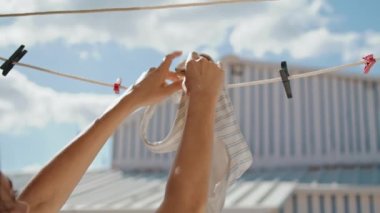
{"x": 231, "y": 154}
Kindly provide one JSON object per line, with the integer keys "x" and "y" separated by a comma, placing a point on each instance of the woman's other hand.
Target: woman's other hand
{"x": 203, "y": 78}
{"x": 152, "y": 87}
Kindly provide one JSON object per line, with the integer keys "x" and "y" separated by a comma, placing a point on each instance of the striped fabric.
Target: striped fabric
{"x": 231, "y": 154}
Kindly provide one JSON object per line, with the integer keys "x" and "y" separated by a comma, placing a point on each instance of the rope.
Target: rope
{"x": 64, "y": 75}
{"x": 297, "y": 76}
{"x": 236, "y": 85}
{"x": 128, "y": 9}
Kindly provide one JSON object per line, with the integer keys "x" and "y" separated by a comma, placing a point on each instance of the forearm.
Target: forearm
{"x": 189, "y": 178}
{"x": 53, "y": 185}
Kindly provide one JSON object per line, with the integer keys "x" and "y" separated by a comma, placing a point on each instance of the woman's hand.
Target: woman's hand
{"x": 203, "y": 81}
{"x": 152, "y": 88}
{"x": 203, "y": 77}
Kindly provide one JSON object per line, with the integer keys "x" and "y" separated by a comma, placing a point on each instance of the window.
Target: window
{"x": 253, "y": 114}
{"x": 282, "y": 210}
{"x": 291, "y": 122}
{"x": 322, "y": 114}
{"x": 366, "y": 119}
{"x": 271, "y": 132}
{"x": 349, "y": 114}
{"x": 321, "y": 203}
{"x": 371, "y": 204}
{"x": 342, "y": 120}
{"x": 358, "y": 204}
{"x": 309, "y": 204}
{"x": 294, "y": 204}
{"x": 261, "y": 117}
{"x": 243, "y": 102}
{"x": 333, "y": 204}
{"x": 311, "y": 113}
{"x": 283, "y": 125}
{"x": 346, "y": 204}
{"x": 303, "y": 118}
{"x": 377, "y": 112}
{"x": 331, "y": 114}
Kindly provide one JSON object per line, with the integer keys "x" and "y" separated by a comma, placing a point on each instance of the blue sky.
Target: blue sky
{"x": 40, "y": 114}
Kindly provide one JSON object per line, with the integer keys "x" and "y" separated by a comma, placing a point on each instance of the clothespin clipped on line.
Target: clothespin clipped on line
{"x": 16, "y": 57}
{"x": 116, "y": 86}
{"x": 285, "y": 79}
{"x": 369, "y": 62}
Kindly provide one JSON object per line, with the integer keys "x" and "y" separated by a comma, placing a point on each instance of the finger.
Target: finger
{"x": 172, "y": 76}
{"x": 190, "y": 64}
{"x": 192, "y": 56}
{"x": 165, "y": 65}
{"x": 171, "y": 88}
{"x": 180, "y": 72}
{"x": 202, "y": 59}
{"x": 206, "y": 57}
{"x": 152, "y": 69}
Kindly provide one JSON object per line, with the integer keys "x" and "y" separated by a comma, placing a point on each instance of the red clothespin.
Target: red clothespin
{"x": 369, "y": 62}
{"x": 116, "y": 86}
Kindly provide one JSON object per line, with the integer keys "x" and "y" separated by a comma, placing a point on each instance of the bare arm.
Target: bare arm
{"x": 49, "y": 190}
{"x": 187, "y": 187}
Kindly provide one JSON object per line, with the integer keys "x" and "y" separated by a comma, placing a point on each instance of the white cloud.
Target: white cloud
{"x": 32, "y": 33}
{"x": 164, "y": 30}
{"x": 296, "y": 27}
{"x": 24, "y": 104}
{"x": 372, "y": 43}
{"x": 85, "y": 55}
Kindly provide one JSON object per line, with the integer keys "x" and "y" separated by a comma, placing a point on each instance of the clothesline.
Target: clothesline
{"x": 235, "y": 85}
{"x": 297, "y": 76}
{"x": 129, "y": 9}
{"x": 100, "y": 83}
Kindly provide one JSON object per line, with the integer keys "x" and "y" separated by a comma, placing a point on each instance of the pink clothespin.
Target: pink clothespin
{"x": 116, "y": 86}
{"x": 369, "y": 62}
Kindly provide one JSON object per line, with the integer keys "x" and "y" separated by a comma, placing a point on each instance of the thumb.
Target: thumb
{"x": 171, "y": 88}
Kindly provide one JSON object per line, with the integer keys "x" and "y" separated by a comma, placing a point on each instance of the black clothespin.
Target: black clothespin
{"x": 285, "y": 80}
{"x": 16, "y": 57}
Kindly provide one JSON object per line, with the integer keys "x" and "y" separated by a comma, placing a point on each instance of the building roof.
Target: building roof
{"x": 115, "y": 190}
